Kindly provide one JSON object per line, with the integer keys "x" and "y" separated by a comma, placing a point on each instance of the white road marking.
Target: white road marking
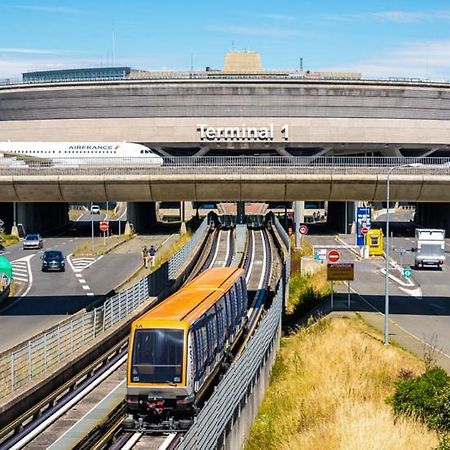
{"x": 78, "y": 275}
{"x": 86, "y": 288}
{"x": 81, "y": 263}
{"x": 81, "y": 280}
{"x": 90, "y": 293}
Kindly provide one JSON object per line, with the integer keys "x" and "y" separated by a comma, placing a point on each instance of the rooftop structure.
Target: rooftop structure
{"x": 109, "y": 73}
{"x": 242, "y": 62}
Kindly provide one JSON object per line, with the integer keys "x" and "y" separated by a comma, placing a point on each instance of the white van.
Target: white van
{"x": 95, "y": 209}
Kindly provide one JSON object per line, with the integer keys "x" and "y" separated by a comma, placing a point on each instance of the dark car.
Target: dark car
{"x": 33, "y": 240}
{"x": 53, "y": 260}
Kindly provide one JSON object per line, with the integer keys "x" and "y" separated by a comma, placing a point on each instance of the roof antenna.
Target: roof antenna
{"x": 113, "y": 48}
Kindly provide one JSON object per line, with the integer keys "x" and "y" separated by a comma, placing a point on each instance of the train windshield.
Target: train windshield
{"x": 157, "y": 356}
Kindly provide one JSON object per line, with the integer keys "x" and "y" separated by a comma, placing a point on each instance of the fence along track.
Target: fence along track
{"x": 34, "y": 357}
{"x": 210, "y": 426}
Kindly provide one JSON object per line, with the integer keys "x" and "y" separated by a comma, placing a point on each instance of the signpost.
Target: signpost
{"x": 333, "y": 256}
{"x": 340, "y": 272}
{"x": 407, "y": 273}
{"x": 303, "y": 230}
{"x": 363, "y": 220}
{"x": 104, "y": 226}
{"x": 401, "y": 251}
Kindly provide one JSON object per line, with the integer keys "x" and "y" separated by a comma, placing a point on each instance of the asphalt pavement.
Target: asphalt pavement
{"x": 419, "y": 307}
{"x": 44, "y": 298}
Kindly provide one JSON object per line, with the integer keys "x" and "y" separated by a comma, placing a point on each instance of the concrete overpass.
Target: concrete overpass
{"x": 307, "y": 116}
{"x": 238, "y": 179}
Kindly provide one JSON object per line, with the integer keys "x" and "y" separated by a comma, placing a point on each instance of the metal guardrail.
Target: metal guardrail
{"x": 281, "y": 74}
{"x": 33, "y": 357}
{"x": 211, "y": 424}
{"x": 226, "y": 165}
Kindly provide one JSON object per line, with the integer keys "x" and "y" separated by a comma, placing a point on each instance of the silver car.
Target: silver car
{"x": 33, "y": 241}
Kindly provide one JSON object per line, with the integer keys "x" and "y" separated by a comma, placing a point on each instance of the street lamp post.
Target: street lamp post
{"x": 386, "y": 279}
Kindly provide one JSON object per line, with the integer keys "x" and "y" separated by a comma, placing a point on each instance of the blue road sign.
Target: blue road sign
{"x": 363, "y": 220}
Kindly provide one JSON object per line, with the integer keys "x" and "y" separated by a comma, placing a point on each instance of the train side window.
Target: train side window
{"x": 213, "y": 318}
{"x": 231, "y": 311}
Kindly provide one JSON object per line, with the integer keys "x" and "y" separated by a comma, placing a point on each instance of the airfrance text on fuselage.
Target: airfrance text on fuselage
{"x": 239, "y": 133}
{"x": 90, "y": 147}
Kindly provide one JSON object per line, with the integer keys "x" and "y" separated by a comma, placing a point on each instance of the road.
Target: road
{"x": 45, "y": 298}
{"x": 420, "y": 307}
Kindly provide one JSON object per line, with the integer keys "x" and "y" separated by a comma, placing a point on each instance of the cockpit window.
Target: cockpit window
{"x": 157, "y": 356}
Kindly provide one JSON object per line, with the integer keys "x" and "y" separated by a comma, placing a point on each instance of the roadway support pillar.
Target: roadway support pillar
{"x": 240, "y": 212}
{"x": 141, "y": 215}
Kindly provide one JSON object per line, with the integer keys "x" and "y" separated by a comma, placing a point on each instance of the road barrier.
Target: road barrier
{"x": 244, "y": 382}
{"x": 32, "y": 358}
{"x": 222, "y": 165}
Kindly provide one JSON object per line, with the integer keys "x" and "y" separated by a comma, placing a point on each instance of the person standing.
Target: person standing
{"x": 152, "y": 253}
{"x": 145, "y": 256}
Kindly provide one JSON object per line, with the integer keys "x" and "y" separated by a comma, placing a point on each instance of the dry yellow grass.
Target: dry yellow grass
{"x": 328, "y": 391}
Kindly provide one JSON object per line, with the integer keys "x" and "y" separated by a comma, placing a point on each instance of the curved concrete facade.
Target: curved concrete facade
{"x": 347, "y": 116}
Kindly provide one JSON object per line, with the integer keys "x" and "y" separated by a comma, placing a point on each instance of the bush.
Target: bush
{"x": 426, "y": 396}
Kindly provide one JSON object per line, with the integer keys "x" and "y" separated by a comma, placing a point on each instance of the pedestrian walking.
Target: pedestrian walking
{"x": 152, "y": 253}
{"x": 145, "y": 256}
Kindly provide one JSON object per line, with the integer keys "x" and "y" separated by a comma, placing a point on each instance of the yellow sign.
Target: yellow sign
{"x": 374, "y": 240}
{"x": 340, "y": 272}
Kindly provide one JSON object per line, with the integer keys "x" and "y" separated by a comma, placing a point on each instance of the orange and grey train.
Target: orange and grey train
{"x": 178, "y": 347}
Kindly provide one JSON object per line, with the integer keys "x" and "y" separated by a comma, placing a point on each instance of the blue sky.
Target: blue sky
{"x": 378, "y": 38}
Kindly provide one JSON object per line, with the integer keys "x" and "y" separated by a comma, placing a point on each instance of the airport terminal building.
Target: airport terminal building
{"x": 242, "y": 109}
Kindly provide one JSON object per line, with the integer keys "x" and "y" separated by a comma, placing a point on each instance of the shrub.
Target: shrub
{"x": 426, "y": 396}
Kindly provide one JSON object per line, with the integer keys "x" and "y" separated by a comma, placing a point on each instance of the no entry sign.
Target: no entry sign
{"x": 333, "y": 256}
{"x": 103, "y": 226}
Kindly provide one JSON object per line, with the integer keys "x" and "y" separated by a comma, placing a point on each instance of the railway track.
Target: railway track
{"x": 58, "y": 425}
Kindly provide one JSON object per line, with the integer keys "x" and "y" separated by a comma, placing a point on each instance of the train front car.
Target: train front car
{"x": 177, "y": 349}
{"x": 159, "y": 388}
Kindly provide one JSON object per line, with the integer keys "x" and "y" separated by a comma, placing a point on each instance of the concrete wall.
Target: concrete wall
{"x": 165, "y": 112}
{"x": 142, "y": 215}
{"x": 35, "y": 217}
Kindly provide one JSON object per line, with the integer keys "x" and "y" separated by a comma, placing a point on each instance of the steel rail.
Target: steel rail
{"x": 38, "y": 412}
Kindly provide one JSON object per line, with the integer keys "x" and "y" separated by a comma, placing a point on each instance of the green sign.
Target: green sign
{"x": 5, "y": 267}
{"x": 407, "y": 273}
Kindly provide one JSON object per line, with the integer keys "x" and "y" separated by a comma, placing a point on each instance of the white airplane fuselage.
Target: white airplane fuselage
{"x": 81, "y": 152}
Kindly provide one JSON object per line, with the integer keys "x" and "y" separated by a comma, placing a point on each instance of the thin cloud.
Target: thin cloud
{"x": 279, "y": 17}
{"x": 424, "y": 60}
{"x": 256, "y": 31}
{"x": 398, "y": 17}
{"x": 30, "y": 51}
{"x": 50, "y": 9}
{"x": 403, "y": 16}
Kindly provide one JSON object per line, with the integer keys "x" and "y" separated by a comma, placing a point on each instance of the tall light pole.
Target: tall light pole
{"x": 386, "y": 279}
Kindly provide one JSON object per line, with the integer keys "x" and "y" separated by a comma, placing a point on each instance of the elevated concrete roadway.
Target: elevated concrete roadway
{"x": 419, "y": 187}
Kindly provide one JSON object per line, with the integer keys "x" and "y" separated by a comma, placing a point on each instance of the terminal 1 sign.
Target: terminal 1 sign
{"x": 242, "y": 133}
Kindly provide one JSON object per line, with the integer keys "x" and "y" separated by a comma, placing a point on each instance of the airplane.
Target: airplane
{"x": 76, "y": 153}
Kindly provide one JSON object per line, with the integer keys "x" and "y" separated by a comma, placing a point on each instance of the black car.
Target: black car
{"x": 53, "y": 260}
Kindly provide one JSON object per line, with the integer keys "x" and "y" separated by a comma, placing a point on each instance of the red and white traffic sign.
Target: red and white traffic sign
{"x": 364, "y": 230}
{"x": 303, "y": 229}
{"x": 333, "y": 256}
{"x": 103, "y": 226}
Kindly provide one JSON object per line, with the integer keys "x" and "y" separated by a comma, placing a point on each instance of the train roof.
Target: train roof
{"x": 190, "y": 302}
